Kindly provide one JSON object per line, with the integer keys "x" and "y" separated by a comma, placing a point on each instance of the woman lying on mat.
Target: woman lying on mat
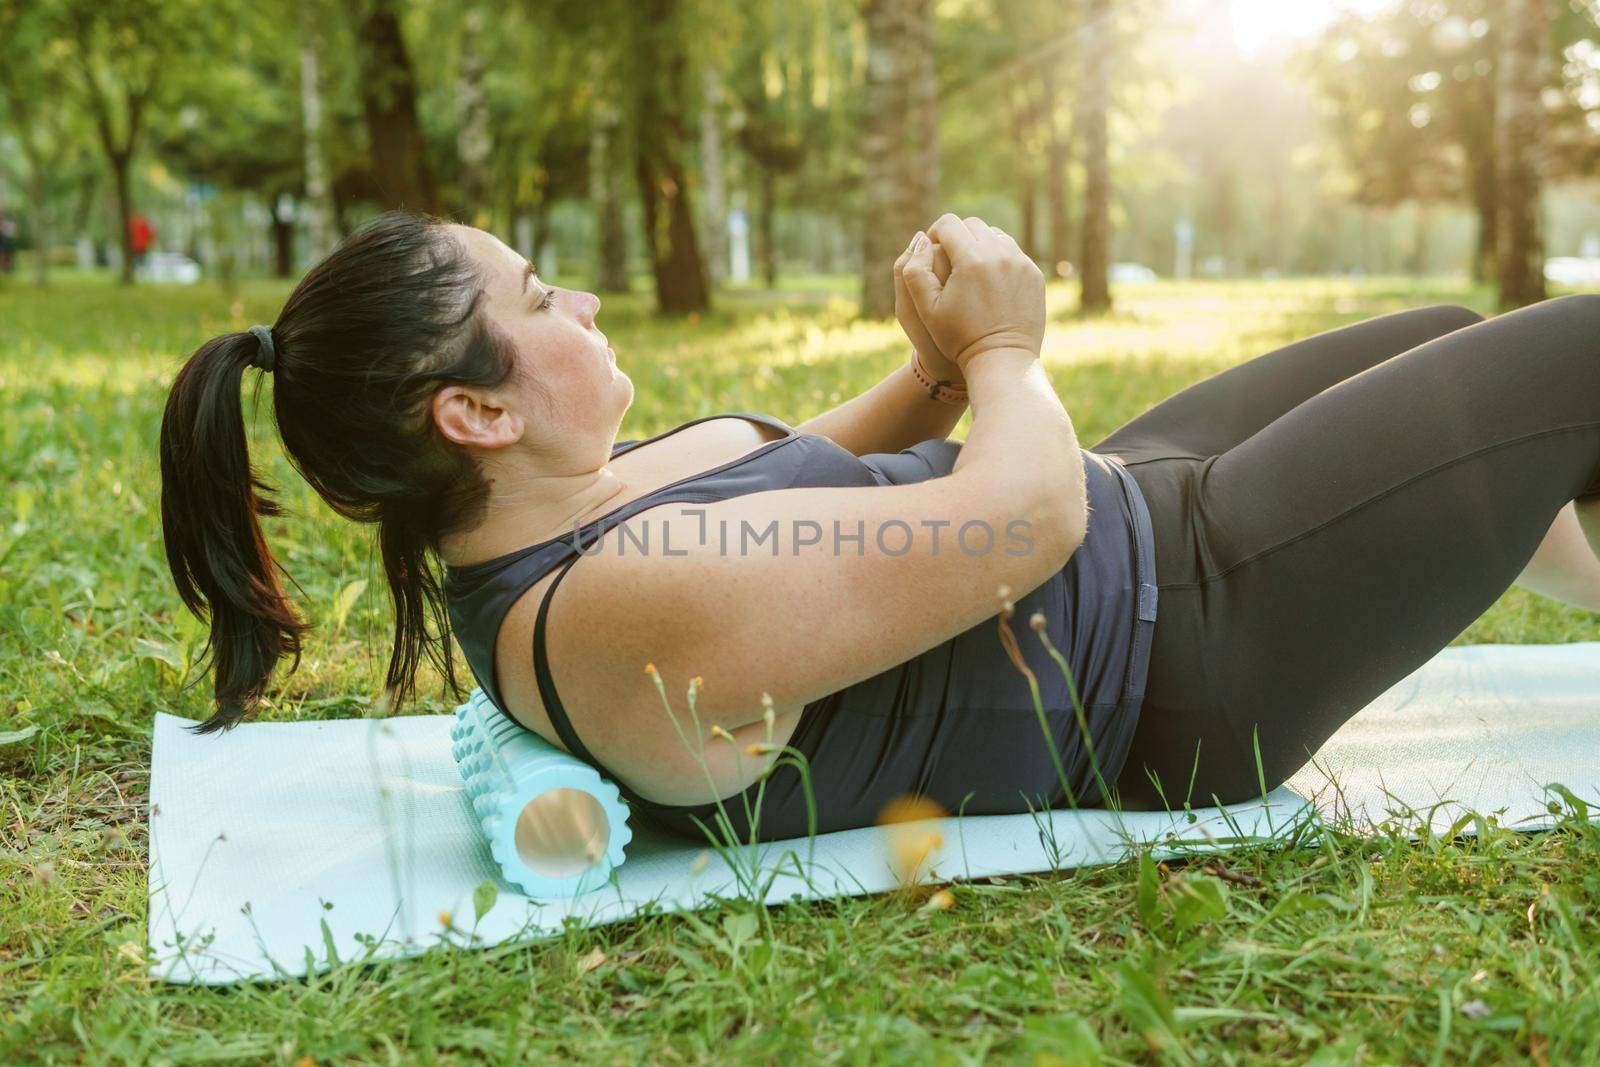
{"x": 1235, "y": 572}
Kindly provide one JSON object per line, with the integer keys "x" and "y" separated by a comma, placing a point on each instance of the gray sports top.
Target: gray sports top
{"x": 956, "y": 723}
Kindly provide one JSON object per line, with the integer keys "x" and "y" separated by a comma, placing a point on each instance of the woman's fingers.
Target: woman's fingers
{"x": 921, "y": 282}
{"x": 941, "y": 264}
{"x": 900, "y": 271}
{"x": 900, "y": 260}
{"x": 955, "y": 237}
{"x": 1006, "y": 239}
{"x": 974, "y": 289}
{"x": 982, "y": 232}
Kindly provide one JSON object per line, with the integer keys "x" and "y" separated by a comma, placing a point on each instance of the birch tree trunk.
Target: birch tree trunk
{"x": 1058, "y": 179}
{"x": 605, "y": 192}
{"x": 1519, "y": 127}
{"x": 474, "y": 143}
{"x": 1095, "y": 268}
{"x": 1022, "y": 106}
{"x": 900, "y": 144}
{"x": 318, "y": 206}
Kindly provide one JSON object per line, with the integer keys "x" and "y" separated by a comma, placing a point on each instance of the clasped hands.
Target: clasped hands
{"x": 964, "y": 288}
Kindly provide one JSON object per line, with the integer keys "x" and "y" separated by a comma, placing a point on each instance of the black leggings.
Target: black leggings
{"x": 1330, "y": 515}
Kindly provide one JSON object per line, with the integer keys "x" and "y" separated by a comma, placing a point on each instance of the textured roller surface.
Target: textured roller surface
{"x": 505, "y": 768}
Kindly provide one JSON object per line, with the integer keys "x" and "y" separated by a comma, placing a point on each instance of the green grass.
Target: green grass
{"x": 1355, "y": 951}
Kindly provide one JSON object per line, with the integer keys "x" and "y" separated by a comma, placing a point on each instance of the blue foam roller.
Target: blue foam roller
{"x": 554, "y": 826}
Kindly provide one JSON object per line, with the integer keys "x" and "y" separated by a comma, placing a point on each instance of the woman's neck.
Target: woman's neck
{"x": 527, "y": 507}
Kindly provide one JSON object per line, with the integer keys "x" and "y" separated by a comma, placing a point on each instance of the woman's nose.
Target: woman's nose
{"x": 588, "y": 305}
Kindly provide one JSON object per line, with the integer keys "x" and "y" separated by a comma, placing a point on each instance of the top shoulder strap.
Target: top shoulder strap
{"x": 541, "y": 674}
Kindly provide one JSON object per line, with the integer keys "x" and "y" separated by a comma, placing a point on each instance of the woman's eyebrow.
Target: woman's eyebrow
{"x": 527, "y": 274}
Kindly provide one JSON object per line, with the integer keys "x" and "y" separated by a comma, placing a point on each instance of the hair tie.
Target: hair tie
{"x": 266, "y": 355}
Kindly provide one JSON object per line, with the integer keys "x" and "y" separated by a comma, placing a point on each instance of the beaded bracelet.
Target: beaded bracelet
{"x": 943, "y": 390}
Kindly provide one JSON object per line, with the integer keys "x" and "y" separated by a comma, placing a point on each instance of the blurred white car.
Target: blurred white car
{"x": 1573, "y": 270}
{"x": 169, "y": 267}
{"x": 1132, "y": 272}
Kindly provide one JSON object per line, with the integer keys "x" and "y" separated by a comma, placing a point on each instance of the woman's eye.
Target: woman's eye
{"x": 549, "y": 299}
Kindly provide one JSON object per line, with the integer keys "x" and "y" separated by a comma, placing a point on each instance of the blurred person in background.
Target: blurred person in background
{"x": 141, "y": 235}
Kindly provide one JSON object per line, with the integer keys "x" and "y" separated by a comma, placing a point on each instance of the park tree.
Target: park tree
{"x": 608, "y": 154}
{"x": 659, "y": 34}
{"x": 1547, "y": 123}
{"x": 1410, "y": 99}
{"x": 558, "y": 87}
{"x": 239, "y": 126}
{"x": 319, "y": 213}
{"x": 1041, "y": 49}
{"x": 1094, "y": 269}
{"x": 401, "y": 172}
{"x": 492, "y": 85}
{"x": 1519, "y": 150}
{"x": 713, "y": 168}
{"x": 900, "y": 140}
{"x": 503, "y": 110}
{"x": 35, "y": 107}
{"x": 637, "y": 68}
{"x": 1572, "y": 114}
{"x": 474, "y": 140}
{"x": 796, "y": 109}
{"x": 1051, "y": 75}
{"x": 122, "y": 54}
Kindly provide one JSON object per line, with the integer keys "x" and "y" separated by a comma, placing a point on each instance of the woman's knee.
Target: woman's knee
{"x": 1584, "y": 307}
{"x": 1453, "y": 316}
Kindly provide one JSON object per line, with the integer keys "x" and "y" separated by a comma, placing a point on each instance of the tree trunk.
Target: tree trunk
{"x": 605, "y": 193}
{"x": 669, "y": 222}
{"x": 681, "y": 284}
{"x": 318, "y": 205}
{"x": 1519, "y": 150}
{"x": 124, "y": 206}
{"x": 1058, "y": 179}
{"x": 716, "y": 201}
{"x": 768, "y": 227}
{"x": 473, "y": 140}
{"x": 1095, "y": 268}
{"x": 900, "y": 143}
{"x": 1485, "y": 203}
{"x": 1027, "y": 181}
{"x": 282, "y": 247}
{"x": 399, "y": 158}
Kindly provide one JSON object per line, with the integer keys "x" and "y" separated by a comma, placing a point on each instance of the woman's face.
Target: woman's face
{"x": 581, "y": 393}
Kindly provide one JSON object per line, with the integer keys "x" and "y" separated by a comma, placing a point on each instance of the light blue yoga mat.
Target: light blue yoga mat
{"x": 278, "y": 847}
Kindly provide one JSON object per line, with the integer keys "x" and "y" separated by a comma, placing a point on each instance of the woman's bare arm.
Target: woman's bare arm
{"x": 898, "y": 412}
{"x": 894, "y": 414}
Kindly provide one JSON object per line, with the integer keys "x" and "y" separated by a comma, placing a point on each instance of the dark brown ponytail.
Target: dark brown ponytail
{"x": 361, "y": 346}
{"x": 211, "y": 501}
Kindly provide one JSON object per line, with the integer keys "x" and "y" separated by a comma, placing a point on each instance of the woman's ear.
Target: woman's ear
{"x": 466, "y": 417}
